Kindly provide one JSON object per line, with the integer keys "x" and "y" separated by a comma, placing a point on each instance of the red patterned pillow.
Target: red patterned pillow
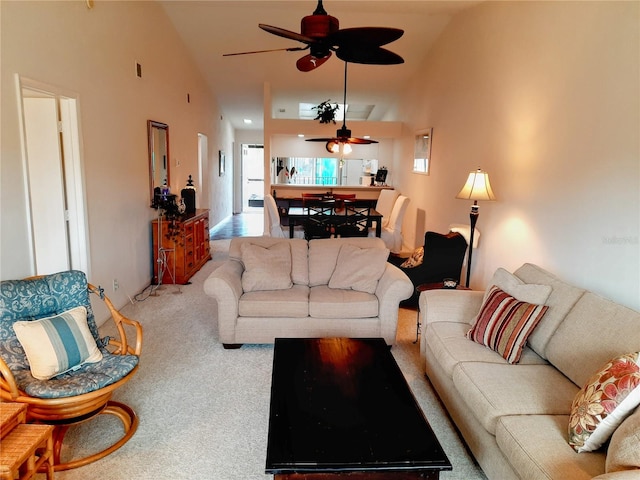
{"x": 604, "y": 402}
{"x": 504, "y": 324}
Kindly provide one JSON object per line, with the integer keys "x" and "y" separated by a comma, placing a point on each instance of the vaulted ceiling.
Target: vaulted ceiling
{"x": 210, "y": 28}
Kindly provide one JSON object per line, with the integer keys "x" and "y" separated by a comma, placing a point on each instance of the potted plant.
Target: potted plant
{"x": 326, "y": 112}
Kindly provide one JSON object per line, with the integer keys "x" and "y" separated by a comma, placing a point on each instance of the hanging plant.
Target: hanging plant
{"x": 326, "y": 112}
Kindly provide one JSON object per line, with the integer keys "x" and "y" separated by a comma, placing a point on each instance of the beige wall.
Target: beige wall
{"x": 545, "y": 97}
{"x": 91, "y": 53}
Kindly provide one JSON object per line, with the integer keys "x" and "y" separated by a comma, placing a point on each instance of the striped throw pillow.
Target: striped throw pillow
{"x": 504, "y": 324}
{"x": 55, "y": 345}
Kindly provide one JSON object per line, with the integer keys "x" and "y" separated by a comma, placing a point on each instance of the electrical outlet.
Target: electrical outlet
{"x": 116, "y": 285}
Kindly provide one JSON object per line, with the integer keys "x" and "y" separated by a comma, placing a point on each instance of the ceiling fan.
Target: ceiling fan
{"x": 343, "y": 140}
{"x": 322, "y": 35}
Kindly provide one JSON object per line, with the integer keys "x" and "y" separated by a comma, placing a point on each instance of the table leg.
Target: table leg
{"x": 291, "y": 225}
{"x": 378, "y": 228}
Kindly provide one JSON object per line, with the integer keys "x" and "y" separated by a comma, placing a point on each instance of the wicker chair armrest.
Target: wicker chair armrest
{"x": 8, "y": 382}
{"x": 123, "y": 346}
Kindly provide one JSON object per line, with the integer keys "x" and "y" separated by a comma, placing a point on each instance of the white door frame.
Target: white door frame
{"x": 71, "y": 145}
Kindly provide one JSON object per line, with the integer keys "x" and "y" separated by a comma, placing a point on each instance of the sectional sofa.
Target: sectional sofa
{"x": 279, "y": 287}
{"x": 515, "y": 417}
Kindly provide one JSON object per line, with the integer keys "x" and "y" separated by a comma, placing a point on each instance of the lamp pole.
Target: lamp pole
{"x": 473, "y": 219}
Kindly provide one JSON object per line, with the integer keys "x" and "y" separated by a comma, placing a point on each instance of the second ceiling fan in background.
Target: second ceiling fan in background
{"x": 343, "y": 138}
{"x": 322, "y": 35}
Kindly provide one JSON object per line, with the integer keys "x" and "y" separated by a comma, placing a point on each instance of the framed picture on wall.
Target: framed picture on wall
{"x": 422, "y": 151}
{"x": 221, "y": 160}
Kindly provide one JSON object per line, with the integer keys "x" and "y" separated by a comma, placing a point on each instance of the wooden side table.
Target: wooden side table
{"x": 23, "y": 448}
{"x": 431, "y": 286}
{"x": 11, "y": 415}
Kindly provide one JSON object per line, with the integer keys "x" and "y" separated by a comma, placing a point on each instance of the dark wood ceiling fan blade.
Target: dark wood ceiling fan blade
{"x": 368, "y": 55}
{"x": 321, "y": 139}
{"x": 290, "y": 49}
{"x": 309, "y": 62}
{"x": 360, "y": 141}
{"x": 372, "y": 36}
{"x": 281, "y": 32}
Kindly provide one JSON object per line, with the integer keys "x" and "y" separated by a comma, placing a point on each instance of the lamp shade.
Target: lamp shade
{"x": 477, "y": 187}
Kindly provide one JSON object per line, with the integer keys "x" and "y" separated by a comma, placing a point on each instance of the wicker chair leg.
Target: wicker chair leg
{"x": 129, "y": 421}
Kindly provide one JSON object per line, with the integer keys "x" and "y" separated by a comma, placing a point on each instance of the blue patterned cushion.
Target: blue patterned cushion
{"x": 43, "y": 297}
{"x": 90, "y": 377}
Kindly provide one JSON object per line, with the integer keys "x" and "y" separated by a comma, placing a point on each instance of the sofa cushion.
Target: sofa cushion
{"x": 588, "y": 328}
{"x": 604, "y": 402}
{"x": 57, "y": 344}
{"x": 450, "y": 346}
{"x": 266, "y": 268}
{"x": 536, "y": 447}
{"x": 624, "y": 448}
{"x": 359, "y": 268}
{"x": 293, "y": 302}
{"x": 323, "y": 255}
{"x": 504, "y": 323}
{"x": 525, "y": 292}
{"x": 492, "y": 390}
{"x": 325, "y": 302}
{"x": 562, "y": 298}
{"x": 299, "y": 254}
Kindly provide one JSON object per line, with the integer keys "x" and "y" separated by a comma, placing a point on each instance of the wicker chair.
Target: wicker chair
{"x": 79, "y": 394}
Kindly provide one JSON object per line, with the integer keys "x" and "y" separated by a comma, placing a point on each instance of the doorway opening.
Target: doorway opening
{"x": 252, "y": 177}
{"x": 54, "y": 179}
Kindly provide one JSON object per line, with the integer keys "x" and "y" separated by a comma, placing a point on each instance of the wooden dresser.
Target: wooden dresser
{"x": 180, "y": 247}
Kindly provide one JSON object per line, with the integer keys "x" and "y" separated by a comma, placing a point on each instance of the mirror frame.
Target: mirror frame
{"x": 422, "y": 151}
{"x": 151, "y": 125}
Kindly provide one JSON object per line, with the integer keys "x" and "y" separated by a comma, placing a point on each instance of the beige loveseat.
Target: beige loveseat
{"x": 277, "y": 287}
{"x": 515, "y": 417}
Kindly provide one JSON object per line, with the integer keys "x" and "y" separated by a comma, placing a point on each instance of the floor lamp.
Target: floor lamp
{"x": 476, "y": 188}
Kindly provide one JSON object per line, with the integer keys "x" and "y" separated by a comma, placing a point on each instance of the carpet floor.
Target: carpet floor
{"x": 204, "y": 410}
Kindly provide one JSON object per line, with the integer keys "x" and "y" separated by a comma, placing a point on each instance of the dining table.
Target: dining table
{"x": 335, "y": 213}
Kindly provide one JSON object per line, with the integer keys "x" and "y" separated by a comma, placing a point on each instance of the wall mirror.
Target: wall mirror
{"x": 422, "y": 151}
{"x": 158, "y": 155}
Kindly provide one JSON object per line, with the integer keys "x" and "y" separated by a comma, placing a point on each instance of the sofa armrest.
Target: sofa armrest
{"x": 393, "y": 287}
{"x": 225, "y": 286}
{"x": 459, "y": 306}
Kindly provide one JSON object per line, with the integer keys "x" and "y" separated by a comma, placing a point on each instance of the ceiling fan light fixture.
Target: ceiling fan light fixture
{"x": 346, "y": 148}
{"x": 332, "y": 147}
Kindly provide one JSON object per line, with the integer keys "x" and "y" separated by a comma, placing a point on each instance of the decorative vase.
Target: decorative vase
{"x": 188, "y": 194}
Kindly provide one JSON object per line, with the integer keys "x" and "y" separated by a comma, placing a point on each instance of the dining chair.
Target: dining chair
{"x": 273, "y": 225}
{"x": 392, "y": 233}
{"x": 319, "y": 216}
{"x": 385, "y": 203}
{"x": 352, "y": 218}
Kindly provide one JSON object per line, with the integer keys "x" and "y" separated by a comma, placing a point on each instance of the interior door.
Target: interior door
{"x": 56, "y": 200}
{"x": 46, "y": 186}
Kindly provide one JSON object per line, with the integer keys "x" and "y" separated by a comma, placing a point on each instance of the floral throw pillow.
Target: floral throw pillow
{"x": 415, "y": 259}
{"x": 604, "y": 402}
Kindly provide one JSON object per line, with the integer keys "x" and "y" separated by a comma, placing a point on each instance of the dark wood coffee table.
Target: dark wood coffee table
{"x": 341, "y": 407}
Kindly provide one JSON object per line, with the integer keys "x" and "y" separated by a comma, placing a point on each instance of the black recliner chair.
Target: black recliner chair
{"x": 443, "y": 258}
